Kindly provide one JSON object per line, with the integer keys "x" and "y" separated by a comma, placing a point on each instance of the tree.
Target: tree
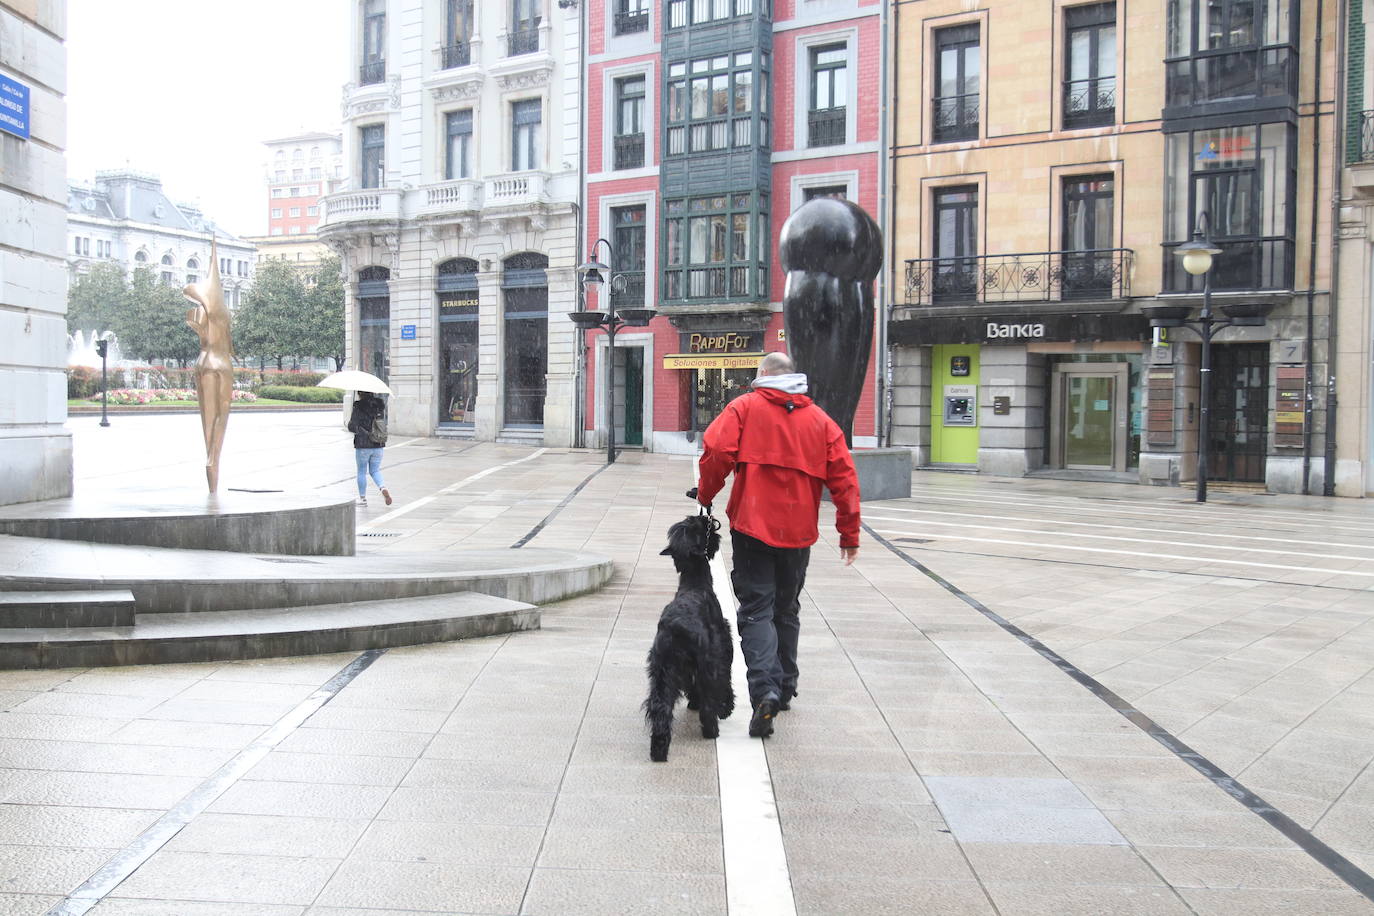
{"x": 273, "y": 322}
{"x": 155, "y": 322}
{"x": 99, "y": 300}
{"x": 326, "y": 302}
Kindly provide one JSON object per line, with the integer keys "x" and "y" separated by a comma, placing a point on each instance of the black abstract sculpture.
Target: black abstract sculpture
{"x": 831, "y": 251}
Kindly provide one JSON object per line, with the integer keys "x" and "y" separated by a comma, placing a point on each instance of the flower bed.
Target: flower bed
{"x": 122, "y": 396}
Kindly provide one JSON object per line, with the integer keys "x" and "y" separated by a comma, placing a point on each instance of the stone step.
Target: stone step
{"x": 227, "y": 635}
{"x": 67, "y": 609}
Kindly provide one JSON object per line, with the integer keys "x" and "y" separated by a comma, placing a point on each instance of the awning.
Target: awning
{"x": 711, "y": 360}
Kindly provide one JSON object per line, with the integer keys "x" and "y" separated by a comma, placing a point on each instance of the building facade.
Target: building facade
{"x": 35, "y": 447}
{"x": 1045, "y": 169}
{"x": 708, "y": 123}
{"x": 126, "y": 217}
{"x": 458, "y": 225}
{"x": 300, "y": 170}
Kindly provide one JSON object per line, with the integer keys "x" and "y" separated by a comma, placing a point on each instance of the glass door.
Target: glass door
{"x": 1090, "y": 416}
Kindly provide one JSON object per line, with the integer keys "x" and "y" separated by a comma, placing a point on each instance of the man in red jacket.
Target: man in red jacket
{"x": 782, "y": 448}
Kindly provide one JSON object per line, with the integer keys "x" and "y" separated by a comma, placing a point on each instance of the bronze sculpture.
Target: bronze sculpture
{"x": 831, "y": 251}
{"x": 215, "y": 365}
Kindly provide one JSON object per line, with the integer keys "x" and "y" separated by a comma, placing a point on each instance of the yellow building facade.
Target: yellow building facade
{"x": 1047, "y": 160}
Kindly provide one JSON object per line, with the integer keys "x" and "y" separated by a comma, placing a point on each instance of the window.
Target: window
{"x": 166, "y": 278}
{"x": 712, "y": 102}
{"x": 373, "y": 68}
{"x": 316, "y": 173}
{"x": 276, "y": 230}
{"x": 711, "y": 247}
{"x": 371, "y": 164}
{"x": 456, "y": 288}
{"x": 294, "y": 230}
{"x": 141, "y": 257}
{"x": 314, "y": 152}
{"x": 76, "y": 245}
{"x": 631, "y": 16}
{"x": 314, "y": 190}
{"x": 1243, "y": 179}
{"x": 192, "y": 278}
{"x": 1090, "y": 65}
{"x": 524, "y": 27}
{"x": 279, "y": 175}
{"x": 629, "y": 122}
{"x": 457, "y": 48}
{"x": 192, "y": 264}
{"x": 525, "y": 291}
{"x": 295, "y": 211}
{"x": 459, "y": 139}
{"x": 954, "y": 243}
{"x": 838, "y": 191}
{"x": 825, "y": 120}
{"x": 167, "y": 260}
{"x": 628, "y": 240}
{"x": 296, "y": 192}
{"x": 298, "y": 155}
{"x": 278, "y": 192}
{"x": 526, "y": 152}
{"x": 958, "y": 74}
{"x": 312, "y": 211}
{"x": 1087, "y": 261}
{"x": 1228, "y": 50}
{"x": 298, "y": 174}
{"x": 276, "y": 212}
{"x": 707, "y": 10}
{"x": 374, "y": 319}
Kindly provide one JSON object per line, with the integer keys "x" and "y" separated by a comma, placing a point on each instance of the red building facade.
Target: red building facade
{"x": 708, "y": 123}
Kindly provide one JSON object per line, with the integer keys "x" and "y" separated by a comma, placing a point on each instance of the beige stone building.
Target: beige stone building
{"x": 1047, "y": 160}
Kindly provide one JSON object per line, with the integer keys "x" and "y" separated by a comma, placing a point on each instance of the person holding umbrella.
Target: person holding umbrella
{"x": 367, "y": 423}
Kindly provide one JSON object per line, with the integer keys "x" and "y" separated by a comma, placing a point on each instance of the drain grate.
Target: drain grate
{"x": 379, "y": 534}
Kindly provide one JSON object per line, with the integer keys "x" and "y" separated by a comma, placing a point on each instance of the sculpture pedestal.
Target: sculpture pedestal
{"x": 884, "y": 473}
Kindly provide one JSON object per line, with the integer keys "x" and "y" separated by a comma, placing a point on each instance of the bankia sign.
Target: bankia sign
{"x": 1017, "y": 329}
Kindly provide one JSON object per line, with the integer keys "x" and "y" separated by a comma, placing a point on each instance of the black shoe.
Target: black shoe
{"x": 786, "y": 703}
{"x": 761, "y": 725}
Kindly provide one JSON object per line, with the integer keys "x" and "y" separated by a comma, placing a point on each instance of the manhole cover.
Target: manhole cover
{"x": 379, "y": 534}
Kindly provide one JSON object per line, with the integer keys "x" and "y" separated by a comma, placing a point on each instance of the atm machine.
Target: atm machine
{"x": 961, "y": 405}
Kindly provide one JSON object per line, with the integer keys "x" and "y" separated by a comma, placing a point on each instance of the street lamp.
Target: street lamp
{"x": 102, "y": 349}
{"x": 594, "y": 273}
{"x": 1197, "y": 254}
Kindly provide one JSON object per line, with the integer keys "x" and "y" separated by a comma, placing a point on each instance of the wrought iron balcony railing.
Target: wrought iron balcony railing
{"x": 374, "y": 71}
{"x": 825, "y": 126}
{"x": 1090, "y": 103}
{"x": 458, "y": 54}
{"x": 629, "y": 151}
{"x": 630, "y": 21}
{"x": 523, "y": 41}
{"x": 1049, "y": 276}
{"x": 631, "y": 293}
{"x": 955, "y": 117}
{"x": 1366, "y": 151}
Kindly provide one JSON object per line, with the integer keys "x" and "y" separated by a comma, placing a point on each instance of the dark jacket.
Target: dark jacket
{"x": 360, "y": 423}
{"x": 782, "y": 449}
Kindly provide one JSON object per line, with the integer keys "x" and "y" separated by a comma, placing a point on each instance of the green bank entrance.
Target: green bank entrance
{"x": 954, "y": 411}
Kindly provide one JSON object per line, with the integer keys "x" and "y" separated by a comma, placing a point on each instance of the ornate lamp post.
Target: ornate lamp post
{"x": 594, "y": 273}
{"x": 1198, "y": 254}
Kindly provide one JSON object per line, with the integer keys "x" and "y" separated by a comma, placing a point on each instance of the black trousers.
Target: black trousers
{"x": 768, "y": 582}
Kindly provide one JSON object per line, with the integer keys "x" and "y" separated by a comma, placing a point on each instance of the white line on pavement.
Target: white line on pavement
{"x": 1109, "y": 537}
{"x": 757, "y": 882}
{"x": 1138, "y": 554}
{"x": 453, "y": 487}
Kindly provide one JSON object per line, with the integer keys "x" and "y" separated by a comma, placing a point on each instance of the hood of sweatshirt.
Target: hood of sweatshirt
{"x": 791, "y": 383}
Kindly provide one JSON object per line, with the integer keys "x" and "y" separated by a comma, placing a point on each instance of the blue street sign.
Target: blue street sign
{"x": 14, "y": 107}
{"x": 407, "y": 332}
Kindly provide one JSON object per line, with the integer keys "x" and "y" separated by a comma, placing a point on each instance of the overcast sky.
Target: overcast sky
{"x": 189, "y": 89}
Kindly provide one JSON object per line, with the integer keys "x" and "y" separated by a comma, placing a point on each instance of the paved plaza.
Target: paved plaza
{"x": 1025, "y": 697}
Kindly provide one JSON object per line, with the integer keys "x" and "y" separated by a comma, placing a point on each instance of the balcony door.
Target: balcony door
{"x": 1089, "y": 214}
{"x": 955, "y": 243}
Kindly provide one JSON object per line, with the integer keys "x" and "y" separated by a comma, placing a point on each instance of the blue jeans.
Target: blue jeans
{"x": 369, "y": 462}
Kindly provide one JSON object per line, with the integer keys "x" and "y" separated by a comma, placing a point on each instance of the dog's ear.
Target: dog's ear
{"x": 666, "y": 551}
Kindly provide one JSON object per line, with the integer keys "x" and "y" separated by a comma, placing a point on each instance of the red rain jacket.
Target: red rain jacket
{"x": 780, "y": 458}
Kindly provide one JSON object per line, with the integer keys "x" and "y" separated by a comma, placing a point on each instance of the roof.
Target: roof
{"x": 124, "y": 195}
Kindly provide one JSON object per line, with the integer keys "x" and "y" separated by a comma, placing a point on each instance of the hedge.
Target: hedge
{"x": 297, "y": 393}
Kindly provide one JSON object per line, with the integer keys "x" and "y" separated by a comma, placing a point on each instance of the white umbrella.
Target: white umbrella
{"x": 354, "y": 380}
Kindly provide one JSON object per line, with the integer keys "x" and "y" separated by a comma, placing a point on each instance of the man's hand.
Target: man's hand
{"x": 849, "y": 555}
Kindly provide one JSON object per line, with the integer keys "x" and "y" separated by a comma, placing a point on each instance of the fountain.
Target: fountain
{"x": 81, "y": 350}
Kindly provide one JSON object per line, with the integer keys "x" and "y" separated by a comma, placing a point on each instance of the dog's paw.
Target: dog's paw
{"x": 658, "y": 748}
{"x": 710, "y": 732}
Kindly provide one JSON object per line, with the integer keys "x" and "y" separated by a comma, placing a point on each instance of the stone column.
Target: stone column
{"x": 1011, "y": 444}
{"x": 911, "y": 402}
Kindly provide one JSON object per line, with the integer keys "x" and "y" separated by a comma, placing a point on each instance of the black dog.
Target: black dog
{"x": 693, "y": 649}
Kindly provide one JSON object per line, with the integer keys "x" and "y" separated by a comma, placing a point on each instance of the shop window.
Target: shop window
{"x": 1243, "y": 179}
{"x": 525, "y": 295}
{"x": 456, "y": 288}
{"x": 958, "y": 80}
{"x": 1090, "y": 65}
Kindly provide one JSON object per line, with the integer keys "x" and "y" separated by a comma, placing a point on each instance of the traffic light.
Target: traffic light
{"x": 102, "y": 347}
